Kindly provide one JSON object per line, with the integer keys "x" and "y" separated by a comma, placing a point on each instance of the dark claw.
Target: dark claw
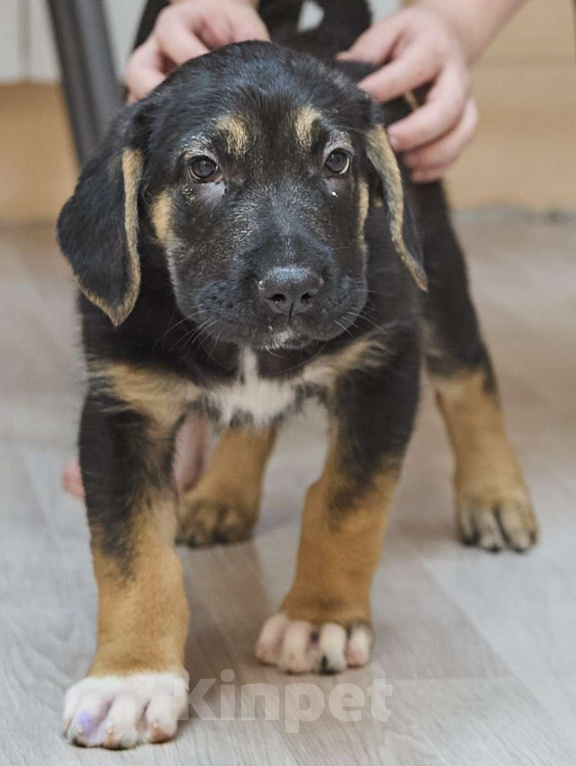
{"x": 325, "y": 668}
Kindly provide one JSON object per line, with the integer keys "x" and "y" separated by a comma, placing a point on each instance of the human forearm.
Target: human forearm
{"x": 477, "y": 22}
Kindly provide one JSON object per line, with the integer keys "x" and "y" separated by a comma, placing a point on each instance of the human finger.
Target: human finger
{"x": 444, "y": 106}
{"x": 446, "y": 150}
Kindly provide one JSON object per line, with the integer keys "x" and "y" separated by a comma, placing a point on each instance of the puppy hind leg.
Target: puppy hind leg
{"x": 493, "y": 504}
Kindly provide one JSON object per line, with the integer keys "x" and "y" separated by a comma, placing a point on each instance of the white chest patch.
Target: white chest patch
{"x": 262, "y": 400}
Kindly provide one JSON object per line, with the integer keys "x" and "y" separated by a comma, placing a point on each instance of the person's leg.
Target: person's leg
{"x": 72, "y": 479}
{"x": 190, "y": 452}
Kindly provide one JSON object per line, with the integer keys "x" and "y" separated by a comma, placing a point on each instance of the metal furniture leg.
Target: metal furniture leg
{"x": 92, "y": 92}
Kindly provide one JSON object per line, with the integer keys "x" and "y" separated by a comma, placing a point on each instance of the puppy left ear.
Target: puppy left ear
{"x": 98, "y": 226}
{"x": 402, "y": 223}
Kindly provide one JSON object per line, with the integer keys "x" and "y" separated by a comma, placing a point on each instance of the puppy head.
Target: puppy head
{"x": 253, "y": 168}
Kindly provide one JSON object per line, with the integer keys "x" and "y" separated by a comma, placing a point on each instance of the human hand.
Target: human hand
{"x": 419, "y": 46}
{"x": 187, "y": 29}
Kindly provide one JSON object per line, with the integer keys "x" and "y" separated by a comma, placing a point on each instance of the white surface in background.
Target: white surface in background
{"x": 42, "y": 64}
{"x": 10, "y": 41}
{"x": 27, "y": 48}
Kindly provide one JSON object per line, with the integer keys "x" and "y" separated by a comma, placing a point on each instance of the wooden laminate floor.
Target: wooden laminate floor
{"x": 479, "y": 650}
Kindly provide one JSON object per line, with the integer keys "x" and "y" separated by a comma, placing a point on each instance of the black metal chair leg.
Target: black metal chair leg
{"x": 92, "y": 92}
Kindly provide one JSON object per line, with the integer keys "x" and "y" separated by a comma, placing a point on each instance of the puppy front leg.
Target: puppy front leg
{"x": 324, "y": 621}
{"x": 223, "y": 507}
{"x": 136, "y": 687}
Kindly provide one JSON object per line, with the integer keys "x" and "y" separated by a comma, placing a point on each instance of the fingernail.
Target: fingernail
{"x": 393, "y": 140}
{"x": 343, "y": 55}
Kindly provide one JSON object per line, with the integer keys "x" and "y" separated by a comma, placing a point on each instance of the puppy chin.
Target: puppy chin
{"x": 283, "y": 339}
{"x": 299, "y": 334}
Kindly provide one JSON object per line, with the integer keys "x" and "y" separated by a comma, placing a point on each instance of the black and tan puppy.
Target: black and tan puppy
{"x": 244, "y": 242}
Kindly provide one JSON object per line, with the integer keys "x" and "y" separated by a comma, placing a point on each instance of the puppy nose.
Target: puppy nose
{"x": 290, "y": 290}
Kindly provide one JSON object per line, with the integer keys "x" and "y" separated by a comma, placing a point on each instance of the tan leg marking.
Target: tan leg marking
{"x": 224, "y": 506}
{"x": 324, "y": 621}
{"x": 143, "y": 613}
{"x": 136, "y": 688}
{"x": 493, "y": 502}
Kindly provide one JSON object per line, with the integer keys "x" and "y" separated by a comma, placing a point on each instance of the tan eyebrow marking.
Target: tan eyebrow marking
{"x": 161, "y": 214}
{"x": 304, "y": 123}
{"x": 237, "y": 133}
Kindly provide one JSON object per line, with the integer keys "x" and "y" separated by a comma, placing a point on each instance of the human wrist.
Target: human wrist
{"x": 475, "y": 22}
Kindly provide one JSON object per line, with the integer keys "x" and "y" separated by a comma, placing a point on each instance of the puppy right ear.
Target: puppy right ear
{"x": 98, "y": 226}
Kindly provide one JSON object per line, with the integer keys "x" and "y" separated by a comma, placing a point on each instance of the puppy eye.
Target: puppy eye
{"x": 337, "y": 162}
{"x": 204, "y": 170}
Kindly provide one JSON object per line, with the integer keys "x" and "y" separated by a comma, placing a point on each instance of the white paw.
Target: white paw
{"x": 495, "y": 521}
{"x": 296, "y": 646}
{"x": 119, "y": 712}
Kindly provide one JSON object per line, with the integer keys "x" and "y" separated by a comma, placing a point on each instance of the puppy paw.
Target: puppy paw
{"x": 120, "y": 712}
{"x": 297, "y": 646}
{"x": 204, "y": 521}
{"x": 495, "y": 520}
